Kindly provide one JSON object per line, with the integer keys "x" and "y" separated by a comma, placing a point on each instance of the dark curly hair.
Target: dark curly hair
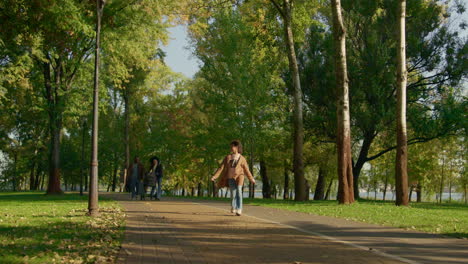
{"x": 238, "y": 144}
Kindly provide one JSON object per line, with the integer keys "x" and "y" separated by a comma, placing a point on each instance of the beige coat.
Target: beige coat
{"x": 241, "y": 169}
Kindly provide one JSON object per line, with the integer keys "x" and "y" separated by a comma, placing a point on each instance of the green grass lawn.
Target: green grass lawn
{"x": 449, "y": 219}
{"x": 35, "y": 228}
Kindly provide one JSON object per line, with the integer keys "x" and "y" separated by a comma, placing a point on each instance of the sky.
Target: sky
{"x": 178, "y": 55}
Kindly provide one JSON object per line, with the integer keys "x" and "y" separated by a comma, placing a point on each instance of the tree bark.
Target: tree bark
{"x": 442, "y": 176}
{"x": 15, "y": 177}
{"x": 54, "y": 156}
{"x": 37, "y": 180}
{"x": 266, "y": 189}
{"x": 327, "y": 194}
{"x": 286, "y": 183}
{"x": 286, "y": 12}
{"x": 345, "y": 169}
{"x": 127, "y": 127}
{"x": 401, "y": 173}
{"x": 200, "y": 190}
{"x": 55, "y": 125}
{"x": 114, "y": 177}
{"x": 31, "y": 172}
{"x": 320, "y": 187}
{"x": 362, "y": 159}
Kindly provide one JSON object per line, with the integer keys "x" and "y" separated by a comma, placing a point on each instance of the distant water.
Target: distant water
{"x": 389, "y": 196}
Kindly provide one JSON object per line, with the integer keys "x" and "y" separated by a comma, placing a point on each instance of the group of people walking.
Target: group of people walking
{"x": 140, "y": 180}
{"x": 231, "y": 174}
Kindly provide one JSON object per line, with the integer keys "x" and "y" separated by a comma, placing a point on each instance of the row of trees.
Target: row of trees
{"x": 272, "y": 73}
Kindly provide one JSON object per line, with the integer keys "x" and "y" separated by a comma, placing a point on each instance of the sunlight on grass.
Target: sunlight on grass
{"x": 35, "y": 228}
{"x": 446, "y": 219}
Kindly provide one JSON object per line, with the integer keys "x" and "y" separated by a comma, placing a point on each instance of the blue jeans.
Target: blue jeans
{"x": 159, "y": 191}
{"x": 134, "y": 185}
{"x": 236, "y": 194}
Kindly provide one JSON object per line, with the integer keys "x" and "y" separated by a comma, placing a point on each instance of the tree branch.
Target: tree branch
{"x": 278, "y": 7}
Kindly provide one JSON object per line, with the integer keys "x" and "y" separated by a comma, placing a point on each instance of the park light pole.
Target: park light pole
{"x": 93, "y": 209}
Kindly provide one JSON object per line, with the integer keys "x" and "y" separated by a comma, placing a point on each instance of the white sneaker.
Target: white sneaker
{"x": 232, "y": 210}
{"x": 239, "y": 212}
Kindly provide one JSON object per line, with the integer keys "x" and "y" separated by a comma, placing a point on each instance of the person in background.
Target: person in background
{"x": 232, "y": 171}
{"x": 158, "y": 173}
{"x": 136, "y": 174}
{"x": 151, "y": 179}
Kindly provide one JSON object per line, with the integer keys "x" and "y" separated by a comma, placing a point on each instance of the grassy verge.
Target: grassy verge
{"x": 449, "y": 219}
{"x": 35, "y": 228}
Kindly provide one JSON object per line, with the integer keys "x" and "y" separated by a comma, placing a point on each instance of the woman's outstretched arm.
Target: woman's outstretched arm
{"x": 218, "y": 171}
{"x": 247, "y": 172}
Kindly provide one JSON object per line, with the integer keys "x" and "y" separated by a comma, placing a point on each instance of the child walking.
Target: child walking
{"x": 232, "y": 171}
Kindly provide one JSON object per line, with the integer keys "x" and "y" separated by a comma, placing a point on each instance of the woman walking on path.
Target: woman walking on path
{"x": 136, "y": 174}
{"x": 154, "y": 178}
{"x": 232, "y": 171}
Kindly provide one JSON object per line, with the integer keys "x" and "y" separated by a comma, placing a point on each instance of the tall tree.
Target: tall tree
{"x": 401, "y": 172}
{"x": 343, "y": 140}
{"x": 285, "y": 9}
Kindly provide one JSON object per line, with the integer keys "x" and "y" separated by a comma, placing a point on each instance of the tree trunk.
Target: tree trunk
{"x": 286, "y": 183}
{"x": 375, "y": 189}
{"x": 307, "y": 190}
{"x": 127, "y": 127}
{"x": 345, "y": 169}
{"x": 362, "y": 159}
{"x": 385, "y": 185}
{"x": 298, "y": 128}
{"x": 37, "y": 180}
{"x": 327, "y": 194}
{"x": 320, "y": 187}
{"x": 42, "y": 180}
{"x": 114, "y": 177}
{"x": 54, "y": 156}
{"x": 199, "y": 191}
{"x": 31, "y": 173}
{"x": 465, "y": 192}
{"x": 93, "y": 209}
{"x": 450, "y": 182}
{"x": 401, "y": 173}
{"x": 55, "y": 125}
{"x": 266, "y": 188}
{"x": 14, "y": 180}
{"x": 298, "y": 163}
{"x": 419, "y": 193}
{"x": 441, "y": 188}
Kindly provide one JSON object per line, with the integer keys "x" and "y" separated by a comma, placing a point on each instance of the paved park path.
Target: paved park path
{"x": 194, "y": 231}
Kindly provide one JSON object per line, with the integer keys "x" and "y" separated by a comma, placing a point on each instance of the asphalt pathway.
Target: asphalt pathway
{"x": 197, "y": 231}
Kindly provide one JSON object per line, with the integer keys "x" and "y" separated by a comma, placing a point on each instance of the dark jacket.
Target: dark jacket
{"x": 153, "y": 175}
{"x": 141, "y": 172}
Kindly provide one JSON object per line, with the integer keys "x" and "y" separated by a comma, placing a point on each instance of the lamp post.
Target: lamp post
{"x": 93, "y": 209}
